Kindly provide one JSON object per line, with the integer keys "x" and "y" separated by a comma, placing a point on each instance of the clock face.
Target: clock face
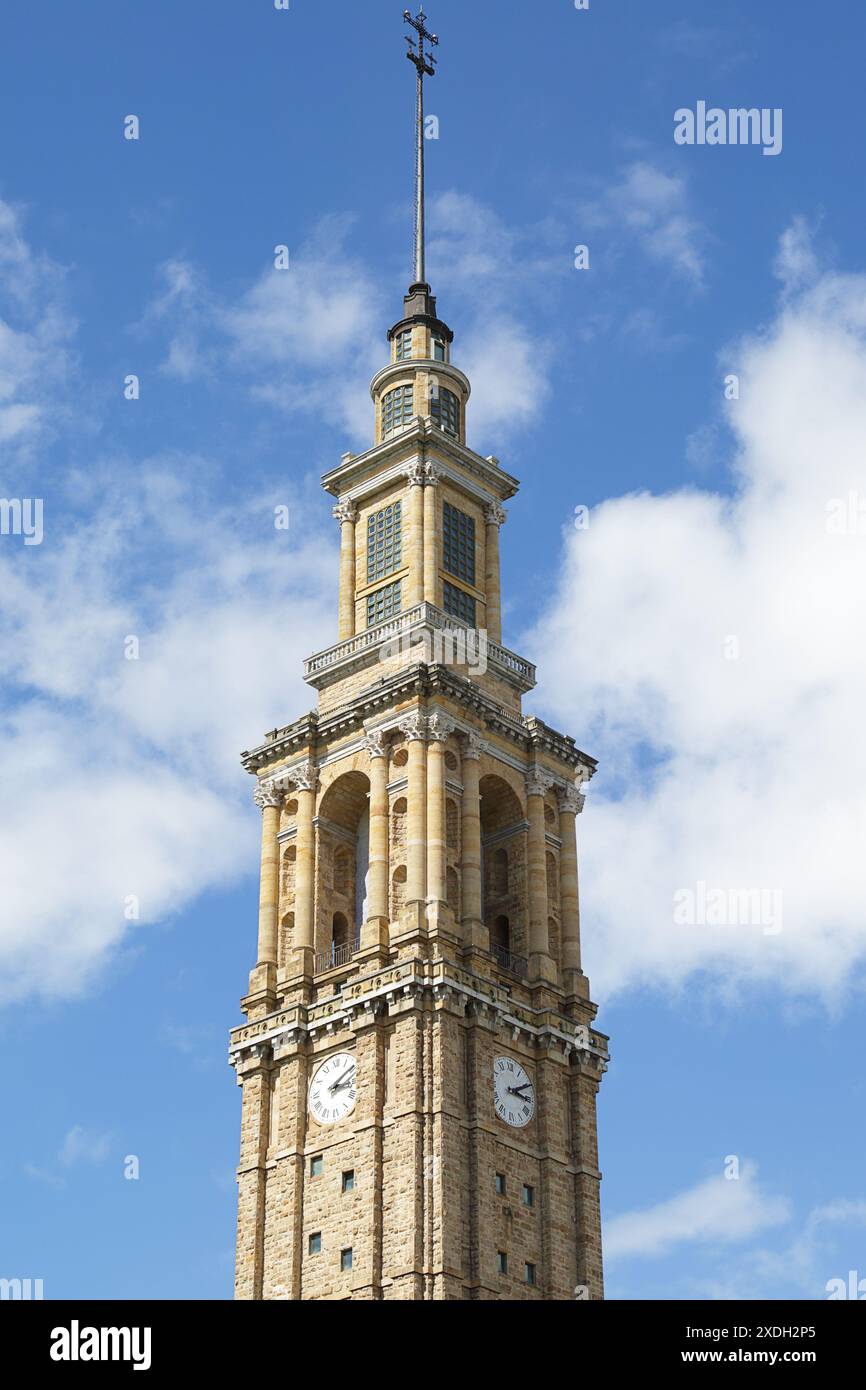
{"x": 513, "y": 1092}
{"x": 333, "y": 1089}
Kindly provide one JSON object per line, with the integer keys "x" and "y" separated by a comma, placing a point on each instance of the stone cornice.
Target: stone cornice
{"x": 371, "y": 707}
{"x": 408, "y": 984}
{"x": 361, "y": 472}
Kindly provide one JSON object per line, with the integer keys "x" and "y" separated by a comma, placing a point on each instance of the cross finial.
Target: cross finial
{"x": 425, "y": 65}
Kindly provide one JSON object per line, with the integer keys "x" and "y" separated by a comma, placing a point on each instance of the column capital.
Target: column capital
{"x": 474, "y": 745}
{"x": 495, "y": 514}
{"x": 571, "y": 799}
{"x": 432, "y": 474}
{"x": 374, "y": 742}
{"x": 440, "y": 727}
{"x": 345, "y": 511}
{"x": 304, "y": 778}
{"x": 415, "y": 474}
{"x": 414, "y": 726}
{"x": 538, "y": 782}
{"x": 267, "y": 794}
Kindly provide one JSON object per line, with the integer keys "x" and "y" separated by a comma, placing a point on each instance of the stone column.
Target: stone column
{"x": 415, "y": 729}
{"x": 305, "y": 781}
{"x": 415, "y": 550}
{"x": 475, "y": 932}
{"x": 570, "y": 805}
{"x": 494, "y": 516}
{"x": 440, "y": 728}
{"x": 269, "y": 800}
{"x": 374, "y": 932}
{"x": 431, "y": 534}
{"x": 347, "y": 514}
{"x": 540, "y": 963}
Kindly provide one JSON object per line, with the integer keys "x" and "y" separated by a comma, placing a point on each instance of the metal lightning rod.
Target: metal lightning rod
{"x": 425, "y": 64}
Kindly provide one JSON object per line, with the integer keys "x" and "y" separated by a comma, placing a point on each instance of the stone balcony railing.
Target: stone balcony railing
{"x": 410, "y": 628}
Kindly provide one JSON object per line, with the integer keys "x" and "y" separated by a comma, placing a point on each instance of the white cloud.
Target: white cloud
{"x": 719, "y": 1210}
{"x": 119, "y": 779}
{"x": 80, "y": 1146}
{"x": 745, "y": 773}
{"x": 796, "y": 263}
{"x": 34, "y": 335}
{"x": 652, "y": 207}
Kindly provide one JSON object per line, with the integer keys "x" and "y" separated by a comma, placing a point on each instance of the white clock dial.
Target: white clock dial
{"x": 513, "y": 1092}
{"x": 333, "y": 1089}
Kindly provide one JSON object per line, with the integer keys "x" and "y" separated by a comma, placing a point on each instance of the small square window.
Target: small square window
{"x": 345, "y": 1259}
{"x": 529, "y": 1273}
{"x": 349, "y": 1180}
{"x": 500, "y": 1184}
{"x": 317, "y": 1166}
{"x": 315, "y": 1243}
{"x": 502, "y": 1259}
{"x": 528, "y": 1195}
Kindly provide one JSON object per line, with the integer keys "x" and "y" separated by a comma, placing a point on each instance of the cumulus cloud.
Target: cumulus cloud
{"x": 35, "y": 331}
{"x": 709, "y": 648}
{"x": 652, "y": 208}
{"x": 720, "y": 1210}
{"x": 121, "y": 798}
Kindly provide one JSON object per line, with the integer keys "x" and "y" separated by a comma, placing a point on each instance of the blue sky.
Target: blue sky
{"x": 740, "y": 766}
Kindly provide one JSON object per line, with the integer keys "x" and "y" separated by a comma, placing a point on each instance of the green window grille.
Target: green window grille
{"x": 397, "y": 409}
{"x": 384, "y": 542}
{"x": 458, "y": 535}
{"x": 383, "y": 604}
{"x": 458, "y": 604}
{"x": 445, "y": 410}
{"x": 403, "y": 345}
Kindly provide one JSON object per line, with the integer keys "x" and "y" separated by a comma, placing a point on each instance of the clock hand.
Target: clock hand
{"x": 345, "y": 1080}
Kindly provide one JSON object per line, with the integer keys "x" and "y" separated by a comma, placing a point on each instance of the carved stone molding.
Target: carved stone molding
{"x": 495, "y": 514}
{"x": 440, "y": 727}
{"x": 304, "y": 778}
{"x": 432, "y": 474}
{"x": 473, "y": 745}
{"x": 570, "y": 799}
{"x": 265, "y": 795}
{"x": 414, "y": 727}
{"x": 538, "y": 782}
{"x": 415, "y": 474}
{"x": 345, "y": 511}
{"x": 374, "y": 742}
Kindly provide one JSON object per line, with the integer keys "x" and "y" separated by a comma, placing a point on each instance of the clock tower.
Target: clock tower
{"x": 419, "y": 1064}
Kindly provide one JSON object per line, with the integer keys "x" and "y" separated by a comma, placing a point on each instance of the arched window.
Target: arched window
{"x": 288, "y": 877}
{"x": 341, "y": 871}
{"x": 339, "y": 932}
{"x": 451, "y": 824}
{"x": 397, "y": 409}
{"x": 398, "y": 823}
{"x": 452, "y": 891}
{"x": 445, "y": 410}
{"x": 552, "y": 880}
{"x": 500, "y": 872}
{"x": 398, "y": 892}
{"x": 500, "y": 936}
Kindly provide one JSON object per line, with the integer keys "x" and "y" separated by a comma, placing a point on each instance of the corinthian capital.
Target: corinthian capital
{"x": 415, "y": 474}
{"x": 495, "y": 515}
{"x": 440, "y": 727}
{"x": 432, "y": 474}
{"x": 304, "y": 778}
{"x": 473, "y": 746}
{"x": 266, "y": 794}
{"x": 374, "y": 743}
{"x": 345, "y": 511}
{"x": 414, "y": 726}
{"x": 538, "y": 782}
{"x": 571, "y": 800}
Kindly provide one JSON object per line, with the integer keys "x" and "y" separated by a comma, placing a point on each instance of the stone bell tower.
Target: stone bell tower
{"x": 419, "y": 1063}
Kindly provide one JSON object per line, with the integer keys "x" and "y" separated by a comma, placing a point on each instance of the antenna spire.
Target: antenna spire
{"x": 425, "y": 64}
